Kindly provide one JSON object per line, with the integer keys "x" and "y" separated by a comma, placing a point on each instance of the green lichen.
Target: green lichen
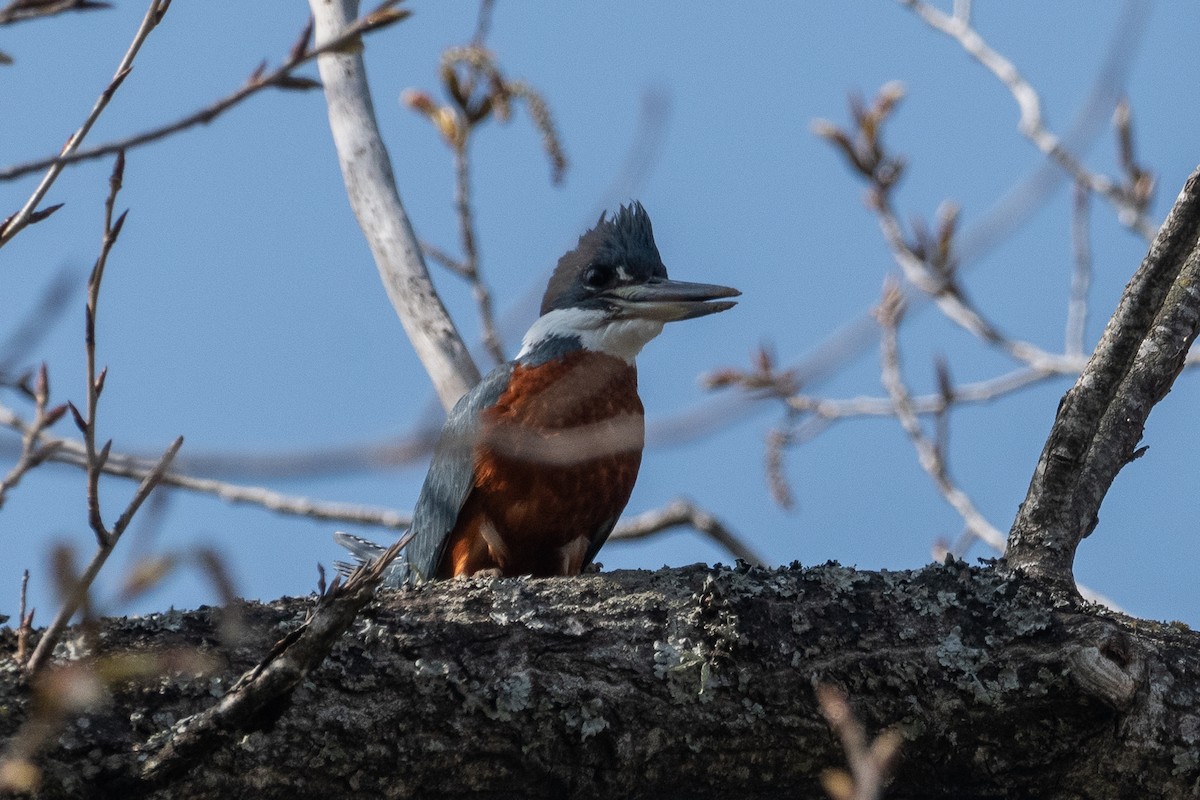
{"x": 591, "y": 719}
{"x": 513, "y": 695}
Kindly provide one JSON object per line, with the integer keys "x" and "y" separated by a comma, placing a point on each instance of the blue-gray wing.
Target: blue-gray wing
{"x": 395, "y": 576}
{"x": 451, "y": 476}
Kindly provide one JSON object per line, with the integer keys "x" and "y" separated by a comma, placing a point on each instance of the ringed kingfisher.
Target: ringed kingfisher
{"x": 536, "y": 463}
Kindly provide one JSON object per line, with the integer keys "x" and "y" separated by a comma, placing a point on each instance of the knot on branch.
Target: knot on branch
{"x": 1110, "y": 670}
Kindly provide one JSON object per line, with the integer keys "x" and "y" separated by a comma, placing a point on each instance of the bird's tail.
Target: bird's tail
{"x": 363, "y": 551}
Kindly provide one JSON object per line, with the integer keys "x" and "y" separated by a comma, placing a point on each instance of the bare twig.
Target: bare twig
{"x": 483, "y": 23}
{"x": 958, "y": 26}
{"x": 1024, "y": 198}
{"x": 767, "y": 379}
{"x": 928, "y": 454}
{"x": 280, "y": 78}
{"x": 445, "y": 259}
{"x": 73, "y": 452}
{"x": 1100, "y": 420}
{"x": 35, "y": 448}
{"x": 292, "y": 505}
{"x": 684, "y": 513}
{"x": 778, "y": 440}
{"x": 18, "y": 221}
{"x": 1081, "y": 275}
{"x": 25, "y": 623}
{"x": 479, "y": 289}
{"x": 371, "y": 186}
{"x": 984, "y": 391}
{"x": 1139, "y": 182}
{"x": 95, "y": 382}
{"x": 871, "y": 762}
{"x": 24, "y": 10}
{"x": 76, "y": 593}
{"x": 929, "y": 259}
{"x": 470, "y": 266}
{"x": 478, "y": 92}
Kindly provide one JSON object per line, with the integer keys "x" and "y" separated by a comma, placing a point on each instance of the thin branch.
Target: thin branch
{"x": 445, "y": 259}
{"x": 72, "y": 452}
{"x": 371, "y": 186}
{"x": 1081, "y": 274}
{"x": 684, "y": 513}
{"x": 25, "y": 623}
{"x": 766, "y": 379}
{"x": 35, "y": 447}
{"x": 483, "y": 23}
{"x": 1101, "y": 419}
{"x": 778, "y": 440}
{"x": 17, "y": 222}
{"x": 79, "y": 593}
{"x": 1013, "y": 210}
{"x": 983, "y": 391}
{"x": 929, "y": 456}
{"x": 958, "y": 27}
{"x": 1139, "y": 182}
{"x": 95, "y": 383}
{"x": 24, "y": 10}
{"x": 929, "y": 259}
{"x": 943, "y": 288}
{"x": 280, "y": 78}
{"x": 479, "y": 92}
{"x": 471, "y": 270}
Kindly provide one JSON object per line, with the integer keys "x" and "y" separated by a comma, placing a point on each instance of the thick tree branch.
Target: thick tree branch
{"x": 1100, "y": 420}
{"x": 691, "y": 683}
{"x": 371, "y": 186}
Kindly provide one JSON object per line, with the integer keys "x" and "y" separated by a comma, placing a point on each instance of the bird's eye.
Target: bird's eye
{"x": 598, "y": 276}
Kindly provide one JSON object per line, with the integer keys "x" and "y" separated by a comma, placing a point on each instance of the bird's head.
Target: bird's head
{"x": 612, "y": 294}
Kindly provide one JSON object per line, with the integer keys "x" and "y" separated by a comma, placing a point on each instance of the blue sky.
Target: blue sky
{"x": 242, "y": 309}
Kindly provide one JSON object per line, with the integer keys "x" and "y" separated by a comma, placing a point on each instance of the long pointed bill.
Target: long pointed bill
{"x": 670, "y": 301}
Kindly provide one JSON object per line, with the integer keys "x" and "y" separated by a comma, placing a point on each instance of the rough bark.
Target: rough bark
{"x": 691, "y": 682}
{"x": 1100, "y": 420}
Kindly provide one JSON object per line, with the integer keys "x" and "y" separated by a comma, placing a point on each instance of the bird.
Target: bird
{"x": 535, "y": 464}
